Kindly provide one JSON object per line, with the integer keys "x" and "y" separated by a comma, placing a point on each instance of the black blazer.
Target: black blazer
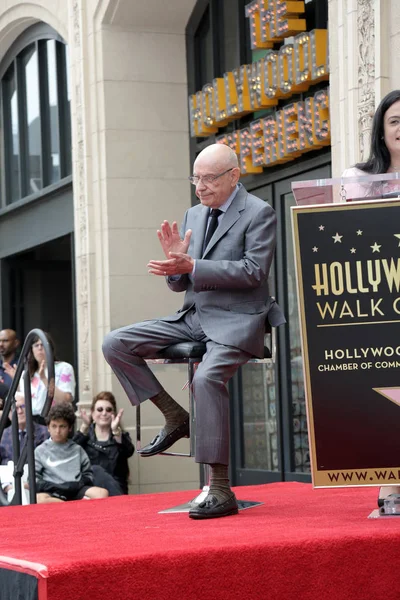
{"x": 113, "y": 457}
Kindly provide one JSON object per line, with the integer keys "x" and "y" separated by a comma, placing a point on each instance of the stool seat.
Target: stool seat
{"x": 183, "y": 350}
{"x": 191, "y": 350}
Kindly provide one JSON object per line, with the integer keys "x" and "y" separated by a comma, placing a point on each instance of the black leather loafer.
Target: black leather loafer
{"x": 164, "y": 440}
{"x": 211, "y": 508}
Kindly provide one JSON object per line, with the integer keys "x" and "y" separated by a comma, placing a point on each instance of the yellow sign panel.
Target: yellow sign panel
{"x": 260, "y": 85}
{"x": 273, "y": 20}
{"x": 287, "y": 133}
{"x": 282, "y": 136}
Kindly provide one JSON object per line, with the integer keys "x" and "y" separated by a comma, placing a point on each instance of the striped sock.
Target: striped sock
{"x": 173, "y": 412}
{"x": 219, "y": 482}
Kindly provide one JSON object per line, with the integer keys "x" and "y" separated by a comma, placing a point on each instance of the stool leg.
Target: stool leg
{"x": 192, "y": 364}
{"x": 206, "y": 487}
{"x": 192, "y": 408}
{"x": 138, "y": 428}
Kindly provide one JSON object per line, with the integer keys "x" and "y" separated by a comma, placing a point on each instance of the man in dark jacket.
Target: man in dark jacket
{"x": 40, "y": 432}
{"x": 9, "y": 344}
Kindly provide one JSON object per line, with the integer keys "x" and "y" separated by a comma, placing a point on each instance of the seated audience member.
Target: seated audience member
{"x": 64, "y": 378}
{"x": 9, "y": 344}
{"x": 107, "y": 446}
{"x": 63, "y": 470}
{"x": 40, "y": 432}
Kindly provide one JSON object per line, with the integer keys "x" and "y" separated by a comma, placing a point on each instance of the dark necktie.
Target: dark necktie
{"x": 22, "y": 435}
{"x": 212, "y": 226}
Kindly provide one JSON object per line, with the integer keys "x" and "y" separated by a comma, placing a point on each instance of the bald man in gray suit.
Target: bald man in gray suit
{"x": 221, "y": 261}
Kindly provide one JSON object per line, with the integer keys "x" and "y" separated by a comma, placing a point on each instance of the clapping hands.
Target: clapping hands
{"x": 42, "y": 372}
{"x": 10, "y": 370}
{"x": 115, "y": 423}
{"x": 175, "y": 249}
{"x": 86, "y": 417}
{"x": 170, "y": 239}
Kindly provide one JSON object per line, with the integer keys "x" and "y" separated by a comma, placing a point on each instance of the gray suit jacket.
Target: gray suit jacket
{"x": 230, "y": 284}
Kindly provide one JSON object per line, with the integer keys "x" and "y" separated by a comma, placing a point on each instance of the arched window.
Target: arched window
{"x": 35, "y": 114}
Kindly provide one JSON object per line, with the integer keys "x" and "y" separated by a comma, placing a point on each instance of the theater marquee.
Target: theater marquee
{"x": 300, "y": 62}
{"x": 348, "y": 275}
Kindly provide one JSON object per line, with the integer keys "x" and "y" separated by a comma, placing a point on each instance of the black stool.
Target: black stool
{"x": 191, "y": 353}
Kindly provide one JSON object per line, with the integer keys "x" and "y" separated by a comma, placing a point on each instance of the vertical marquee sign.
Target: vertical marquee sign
{"x": 348, "y": 276}
{"x": 289, "y": 66}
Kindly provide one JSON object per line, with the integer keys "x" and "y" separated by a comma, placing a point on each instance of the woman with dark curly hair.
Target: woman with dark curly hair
{"x": 107, "y": 446}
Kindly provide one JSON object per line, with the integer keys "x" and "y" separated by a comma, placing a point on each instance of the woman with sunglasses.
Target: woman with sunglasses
{"x": 107, "y": 446}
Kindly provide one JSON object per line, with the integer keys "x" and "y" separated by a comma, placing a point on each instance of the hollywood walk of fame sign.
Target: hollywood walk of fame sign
{"x": 348, "y": 277}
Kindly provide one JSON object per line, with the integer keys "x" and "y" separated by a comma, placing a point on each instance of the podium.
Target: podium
{"x": 347, "y": 255}
{"x": 346, "y": 189}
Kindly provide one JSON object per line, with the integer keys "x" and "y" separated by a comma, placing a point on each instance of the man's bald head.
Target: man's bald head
{"x": 217, "y": 169}
{"x": 9, "y": 343}
{"x": 10, "y": 333}
{"x": 219, "y": 155}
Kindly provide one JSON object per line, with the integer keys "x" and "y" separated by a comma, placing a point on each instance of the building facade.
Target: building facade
{"x": 100, "y": 123}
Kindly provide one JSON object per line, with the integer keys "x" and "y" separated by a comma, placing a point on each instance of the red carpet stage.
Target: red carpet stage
{"x": 301, "y": 544}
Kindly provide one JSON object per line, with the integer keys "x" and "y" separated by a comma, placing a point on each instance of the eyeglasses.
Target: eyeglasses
{"x": 20, "y": 407}
{"x": 206, "y": 178}
{"x": 107, "y": 409}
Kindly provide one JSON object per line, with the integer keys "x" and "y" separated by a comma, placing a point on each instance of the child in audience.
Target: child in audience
{"x": 63, "y": 470}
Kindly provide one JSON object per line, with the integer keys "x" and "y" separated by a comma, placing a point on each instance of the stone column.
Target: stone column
{"x": 84, "y": 259}
{"x": 131, "y": 158}
{"x": 359, "y": 42}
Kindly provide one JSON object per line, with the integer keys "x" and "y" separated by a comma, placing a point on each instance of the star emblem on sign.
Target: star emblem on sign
{"x": 337, "y": 238}
{"x": 376, "y": 247}
{"x": 353, "y": 250}
{"x": 315, "y": 249}
{"x": 397, "y": 235}
{"x": 321, "y": 227}
{"x": 359, "y": 232}
{"x": 392, "y": 394}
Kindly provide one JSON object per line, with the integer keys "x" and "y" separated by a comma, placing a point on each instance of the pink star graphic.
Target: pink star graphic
{"x": 65, "y": 377}
{"x": 392, "y": 394}
{"x": 35, "y": 381}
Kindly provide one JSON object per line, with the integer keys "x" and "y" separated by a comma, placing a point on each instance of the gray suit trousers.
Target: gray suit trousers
{"x": 127, "y": 348}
